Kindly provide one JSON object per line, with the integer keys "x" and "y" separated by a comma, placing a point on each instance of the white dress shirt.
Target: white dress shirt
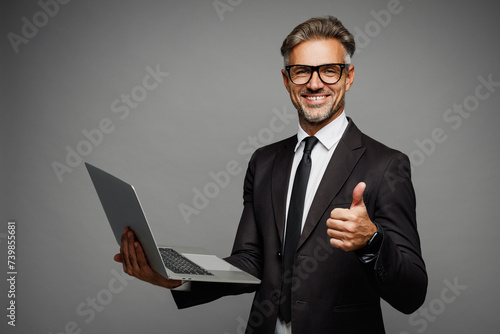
{"x": 329, "y": 136}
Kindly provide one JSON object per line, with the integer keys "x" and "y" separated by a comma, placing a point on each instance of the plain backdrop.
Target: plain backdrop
{"x": 72, "y": 68}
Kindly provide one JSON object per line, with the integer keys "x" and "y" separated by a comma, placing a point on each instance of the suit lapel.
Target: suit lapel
{"x": 347, "y": 153}
{"x": 279, "y": 182}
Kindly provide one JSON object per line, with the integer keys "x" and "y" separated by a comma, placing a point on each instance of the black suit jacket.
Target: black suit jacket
{"x": 332, "y": 290}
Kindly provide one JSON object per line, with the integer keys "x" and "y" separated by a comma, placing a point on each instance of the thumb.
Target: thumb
{"x": 357, "y": 195}
{"x": 118, "y": 258}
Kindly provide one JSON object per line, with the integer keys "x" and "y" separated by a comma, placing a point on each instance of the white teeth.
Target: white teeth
{"x": 315, "y": 97}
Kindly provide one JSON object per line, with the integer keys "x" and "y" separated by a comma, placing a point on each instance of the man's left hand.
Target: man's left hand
{"x": 350, "y": 229}
{"x": 135, "y": 264}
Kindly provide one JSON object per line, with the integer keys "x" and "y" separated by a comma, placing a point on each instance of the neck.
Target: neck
{"x": 311, "y": 128}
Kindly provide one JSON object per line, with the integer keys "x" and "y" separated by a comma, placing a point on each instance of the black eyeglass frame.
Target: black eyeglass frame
{"x": 316, "y": 69}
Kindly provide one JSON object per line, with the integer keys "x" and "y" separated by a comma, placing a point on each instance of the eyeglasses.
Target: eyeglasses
{"x": 328, "y": 73}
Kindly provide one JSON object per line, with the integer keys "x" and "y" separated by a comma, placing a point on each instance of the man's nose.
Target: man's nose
{"x": 315, "y": 83}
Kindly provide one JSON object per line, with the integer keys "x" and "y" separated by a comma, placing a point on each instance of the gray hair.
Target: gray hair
{"x": 328, "y": 27}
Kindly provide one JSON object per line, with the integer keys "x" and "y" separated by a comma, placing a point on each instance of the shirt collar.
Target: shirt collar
{"x": 328, "y": 135}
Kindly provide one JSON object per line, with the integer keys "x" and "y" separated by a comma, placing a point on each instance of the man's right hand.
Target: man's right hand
{"x": 135, "y": 264}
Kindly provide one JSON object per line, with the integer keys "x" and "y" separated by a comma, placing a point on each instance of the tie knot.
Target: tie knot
{"x": 310, "y": 142}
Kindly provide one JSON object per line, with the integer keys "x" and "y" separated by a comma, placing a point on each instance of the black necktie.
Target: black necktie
{"x": 294, "y": 227}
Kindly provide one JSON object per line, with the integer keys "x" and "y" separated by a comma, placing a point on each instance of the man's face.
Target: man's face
{"x": 318, "y": 103}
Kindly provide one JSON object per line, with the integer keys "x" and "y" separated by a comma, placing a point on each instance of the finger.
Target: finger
{"x": 345, "y": 227}
{"x": 335, "y": 234}
{"x": 357, "y": 195}
{"x": 343, "y": 215}
{"x": 141, "y": 257}
{"x": 335, "y": 224}
{"x": 125, "y": 252}
{"x": 340, "y": 243}
{"x": 131, "y": 251}
{"x": 118, "y": 258}
{"x": 340, "y": 213}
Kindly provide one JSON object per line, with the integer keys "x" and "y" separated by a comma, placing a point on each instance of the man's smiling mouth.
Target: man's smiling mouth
{"x": 315, "y": 97}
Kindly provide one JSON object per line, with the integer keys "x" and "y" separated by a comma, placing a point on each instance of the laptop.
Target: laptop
{"x": 123, "y": 209}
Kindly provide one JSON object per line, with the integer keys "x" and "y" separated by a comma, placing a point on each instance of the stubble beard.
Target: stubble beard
{"x": 330, "y": 112}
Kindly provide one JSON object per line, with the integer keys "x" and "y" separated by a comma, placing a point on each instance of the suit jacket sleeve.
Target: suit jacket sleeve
{"x": 399, "y": 271}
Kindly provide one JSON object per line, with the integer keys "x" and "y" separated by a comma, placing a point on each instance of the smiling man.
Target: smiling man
{"x": 329, "y": 222}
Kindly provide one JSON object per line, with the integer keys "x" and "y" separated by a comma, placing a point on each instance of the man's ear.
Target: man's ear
{"x": 285, "y": 80}
{"x": 350, "y": 78}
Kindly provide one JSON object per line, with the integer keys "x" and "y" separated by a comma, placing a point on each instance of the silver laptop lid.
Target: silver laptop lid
{"x": 123, "y": 209}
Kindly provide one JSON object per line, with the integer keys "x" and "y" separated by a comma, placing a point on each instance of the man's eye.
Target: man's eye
{"x": 331, "y": 70}
{"x": 301, "y": 71}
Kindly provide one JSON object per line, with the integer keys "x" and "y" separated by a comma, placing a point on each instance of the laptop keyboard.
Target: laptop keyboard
{"x": 181, "y": 265}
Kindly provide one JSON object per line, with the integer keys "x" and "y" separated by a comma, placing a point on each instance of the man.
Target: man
{"x": 328, "y": 223}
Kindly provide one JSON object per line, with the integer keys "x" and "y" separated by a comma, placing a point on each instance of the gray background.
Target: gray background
{"x": 224, "y": 86}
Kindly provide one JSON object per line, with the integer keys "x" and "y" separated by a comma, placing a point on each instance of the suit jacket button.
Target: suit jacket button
{"x": 278, "y": 254}
{"x": 382, "y": 274}
{"x": 275, "y": 297}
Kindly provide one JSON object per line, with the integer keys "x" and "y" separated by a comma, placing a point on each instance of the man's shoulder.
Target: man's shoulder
{"x": 354, "y": 137}
{"x": 371, "y": 143}
{"x": 284, "y": 144}
{"x": 267, "y": 155}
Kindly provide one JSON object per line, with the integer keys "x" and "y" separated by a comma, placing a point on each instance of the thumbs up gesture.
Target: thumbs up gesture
{"x": 350, "y": 229}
